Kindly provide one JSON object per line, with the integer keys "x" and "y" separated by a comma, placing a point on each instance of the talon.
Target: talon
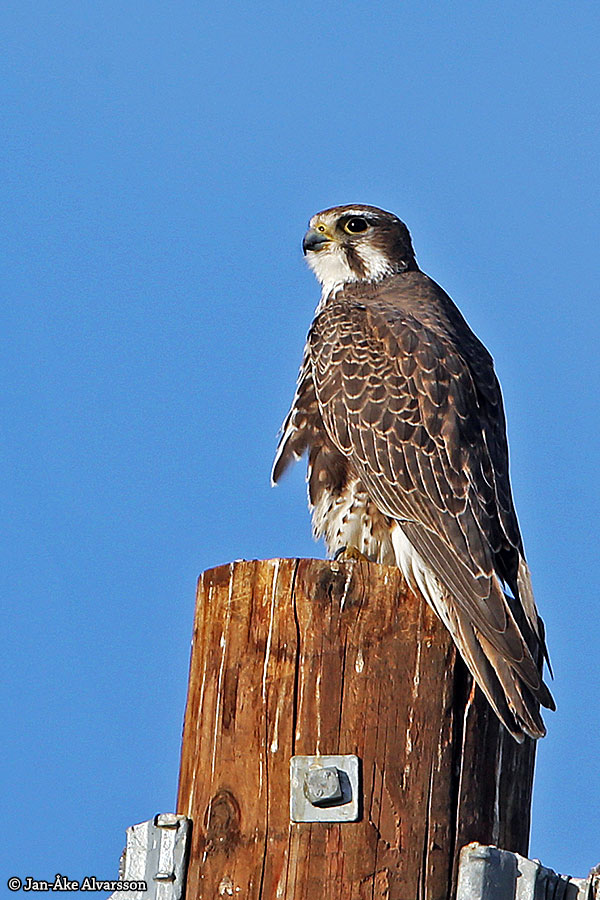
{"x": 349, "y": 553}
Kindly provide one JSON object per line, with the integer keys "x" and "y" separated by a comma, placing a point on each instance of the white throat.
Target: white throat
{"x": 331, "y": 267}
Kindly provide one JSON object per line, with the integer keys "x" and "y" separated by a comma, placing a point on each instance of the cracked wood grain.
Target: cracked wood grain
{"x": 310, "y": 656}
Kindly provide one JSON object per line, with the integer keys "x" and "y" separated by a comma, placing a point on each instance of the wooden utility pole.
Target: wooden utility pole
{"x": 307, "y": 657}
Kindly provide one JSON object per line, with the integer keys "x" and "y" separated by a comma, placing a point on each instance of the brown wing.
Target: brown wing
{"x": 402, "y": 403}
{"x": 301, "y": 423}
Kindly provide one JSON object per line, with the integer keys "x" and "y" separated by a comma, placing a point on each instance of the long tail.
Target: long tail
{"x": 505, "y": 656}
{"x": 516, "y": 701}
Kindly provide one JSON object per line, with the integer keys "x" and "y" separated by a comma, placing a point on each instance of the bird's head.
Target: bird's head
{"x": 356, "y": 243}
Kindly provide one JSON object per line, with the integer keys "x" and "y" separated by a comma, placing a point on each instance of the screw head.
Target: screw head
{"x": 322, "y": 786}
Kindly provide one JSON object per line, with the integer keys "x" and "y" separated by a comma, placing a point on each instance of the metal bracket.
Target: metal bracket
{"x": 324, "y": 788}
{"x": 487, "y": 873}
{"x": 156, "y": 853}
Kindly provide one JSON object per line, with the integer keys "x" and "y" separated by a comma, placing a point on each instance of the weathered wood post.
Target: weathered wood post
{"x": 307, "y": 657}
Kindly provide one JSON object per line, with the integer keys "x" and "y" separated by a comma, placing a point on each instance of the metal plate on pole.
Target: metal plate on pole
{"x": 488, "y": 873}
{"x": 324, "y": 788}
{"x": 156, "y": 853}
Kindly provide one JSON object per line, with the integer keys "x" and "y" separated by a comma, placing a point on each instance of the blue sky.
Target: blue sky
{"x": 160, "y": 163}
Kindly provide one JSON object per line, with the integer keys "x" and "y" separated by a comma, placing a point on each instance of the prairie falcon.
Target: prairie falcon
{"x": 400, "y": 411}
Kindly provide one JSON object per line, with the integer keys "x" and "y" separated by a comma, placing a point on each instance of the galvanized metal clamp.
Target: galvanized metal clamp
{"x": 156, "y": 853}
{"x": 488, "y": 873}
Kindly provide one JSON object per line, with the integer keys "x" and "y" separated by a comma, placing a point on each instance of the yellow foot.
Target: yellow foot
{"x": 349, "y": 553}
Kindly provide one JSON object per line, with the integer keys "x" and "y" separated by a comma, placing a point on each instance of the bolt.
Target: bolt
{"x": 322, "y": 786}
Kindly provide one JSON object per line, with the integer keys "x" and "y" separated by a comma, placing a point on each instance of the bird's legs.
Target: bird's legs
{"x": 349, "y": 553}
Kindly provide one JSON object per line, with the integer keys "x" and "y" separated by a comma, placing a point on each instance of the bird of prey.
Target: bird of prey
{"x": 400, "y": 411}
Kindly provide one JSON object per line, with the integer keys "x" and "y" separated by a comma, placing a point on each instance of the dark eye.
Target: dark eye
{"x": 355, "y": 225}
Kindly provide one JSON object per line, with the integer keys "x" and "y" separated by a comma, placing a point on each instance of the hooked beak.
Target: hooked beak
{"x": 314, "y": 240}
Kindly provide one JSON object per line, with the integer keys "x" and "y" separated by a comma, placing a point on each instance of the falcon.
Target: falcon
{"x": 399, "y": 409}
